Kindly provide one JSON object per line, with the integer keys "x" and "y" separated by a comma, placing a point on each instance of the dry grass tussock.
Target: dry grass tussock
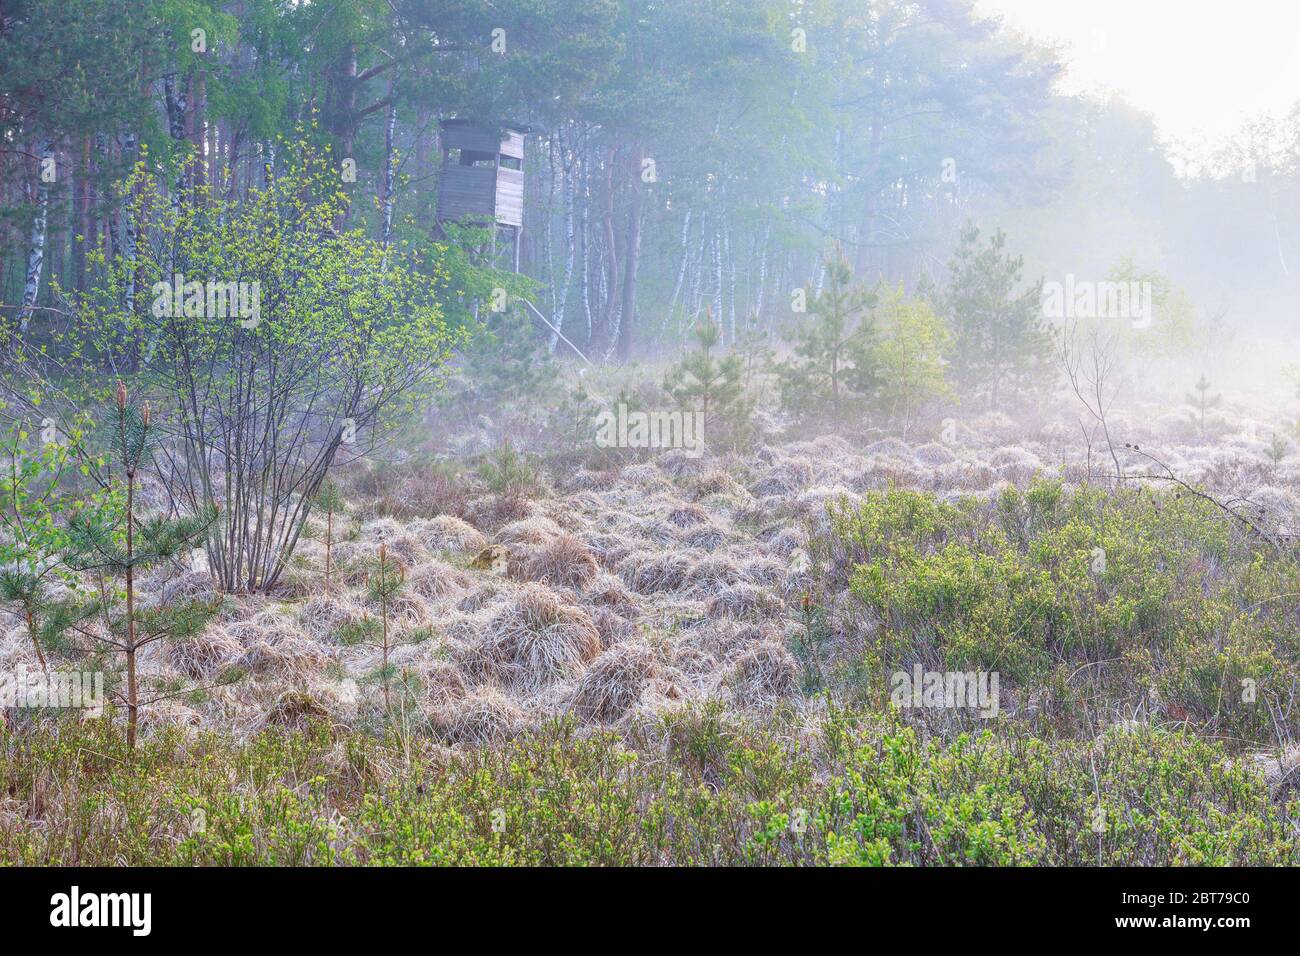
{"x": 563, "y": 560}
{"x": 639, "y": 587}
{"x": 763, "y": 675}
{"x": 614, "y": 683}
{"x": 533, "y": 640}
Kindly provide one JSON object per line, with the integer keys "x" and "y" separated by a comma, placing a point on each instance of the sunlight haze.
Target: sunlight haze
{"x": 1200, "y": 69}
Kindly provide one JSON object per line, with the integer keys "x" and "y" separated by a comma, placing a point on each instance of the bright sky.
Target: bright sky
{"x": 1200, "y": 67}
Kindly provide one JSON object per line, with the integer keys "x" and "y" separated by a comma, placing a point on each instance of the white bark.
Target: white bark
{"x": 571, "y": 246}
{"x": 36, "y": 241}
{"x": 390, "y": 177}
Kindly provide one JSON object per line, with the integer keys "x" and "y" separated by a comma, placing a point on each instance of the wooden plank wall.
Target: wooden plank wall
{"x": 467, "y": 191}
{"x": 510, "y": 197}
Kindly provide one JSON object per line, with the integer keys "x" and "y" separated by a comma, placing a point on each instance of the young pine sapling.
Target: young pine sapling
{"x": 329, "y": 500}
{"x": 386, "y": 581}
{"x": 32, "y": 535}
{"x": 117, "y": 542}
{"x": 1203, "y": 400}
{"x": 715, "y": 387}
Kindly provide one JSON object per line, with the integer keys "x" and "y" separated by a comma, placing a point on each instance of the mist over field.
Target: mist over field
{"x": 649, "y": 432}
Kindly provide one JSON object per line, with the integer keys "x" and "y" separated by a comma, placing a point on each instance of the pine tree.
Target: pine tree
{"x": 710, "y": 385}
{"x": 830, "y": 371}
{"x": 385, "y": 583}
{"x": 1203, "y": 400}
{"x": 1001, "y": 348}
{"x": 329, "y": 500}
{"x": 119, "y": 543}
{"x": 33, "y": 516}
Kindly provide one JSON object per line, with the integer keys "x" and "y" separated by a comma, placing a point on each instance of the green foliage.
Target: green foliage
{"x": 505, "y": 377}
{"x": 831, "y": 370}
{"x": 114, "y": 541}
{"x": 37, "y": 499}
{"x": 286, "y": 324}
{"x": 1203, "y": 401}
{"x": 909, "y": 356}
{"x": 1277, "y": 448}
{"x": 329, "y": 501}
{"x": 1177, "y": 332}
{"x": 715, "y": 387}
{"x": 510, "y": 472}
{"x": 721, "y": 792}
{"x": 1000, "y": 348}
{"x": 1050, "y": 579}
{"x": 384, "y": 583}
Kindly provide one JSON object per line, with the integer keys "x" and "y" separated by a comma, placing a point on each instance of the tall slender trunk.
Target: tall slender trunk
{"x": 718, "y": 276}
{"x": 686, "y": 255}
{"x": 81, "y": 216}
{"x": 131, "y": 234}
{"x": 132, "y": 690}
{"x": 571, "y": 246}
{"x": 424, "y": 154}
{"x": 632, "y": 258}
{"x": 176, "y": 100}
{"x": 390, "y": 173}
{"x": 36, "y": 644}
{"x": 36, "y": 240}
{"x": 610, "y": 253}
{"x": 196, "y": 128}
{"x": 585, "y": 232}
{"x": 730, "y": 260}
{"x": 681, "y": 279}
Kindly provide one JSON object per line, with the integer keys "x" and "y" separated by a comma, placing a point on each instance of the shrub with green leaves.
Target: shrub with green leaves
{"x": 698, "y": 788}
{"x": 909, "y": 357}
{"x": 1150, "y": 601}
{"x": 275, "y": 343}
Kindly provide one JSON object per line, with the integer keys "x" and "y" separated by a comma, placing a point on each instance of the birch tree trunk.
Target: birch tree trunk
{"x": 632, "y": 258}
{"x": 390, "y": 174}
{"x": 571, "y": 245}
{"x": 36, "y": 238}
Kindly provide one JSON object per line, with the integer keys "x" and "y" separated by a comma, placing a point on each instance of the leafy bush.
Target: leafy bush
{"x": 1160, "y": 600}
{"x": 509, "y": 472}
{"x": 701, "y": 788}
{"x": 292, "y": 343}
{"x": 909, "y": 356}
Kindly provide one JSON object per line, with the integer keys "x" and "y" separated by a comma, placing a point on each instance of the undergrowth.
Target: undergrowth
{"x": 699, "y": 787}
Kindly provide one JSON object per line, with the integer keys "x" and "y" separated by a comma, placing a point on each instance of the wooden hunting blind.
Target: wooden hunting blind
{"x": 482, "y": 177}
